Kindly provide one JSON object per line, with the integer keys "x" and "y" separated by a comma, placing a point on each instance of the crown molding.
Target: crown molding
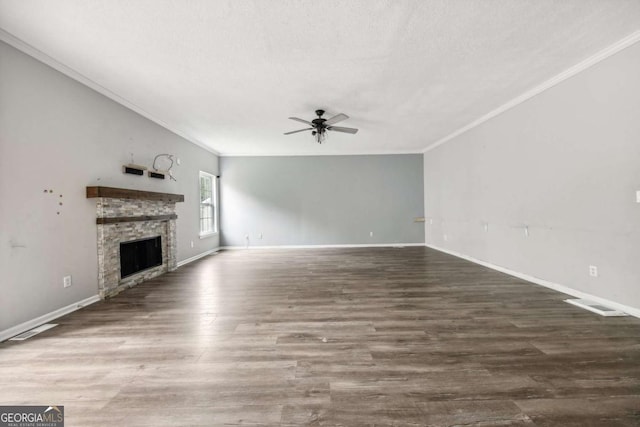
{"x": 75, "y": 75}
{"x": 297, "y": 154}
{"x": 568, "y": 73}
{"x": 26, "y": 48}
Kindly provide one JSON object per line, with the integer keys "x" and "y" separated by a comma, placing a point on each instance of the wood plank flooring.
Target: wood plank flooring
{"x": 371, "y": 336}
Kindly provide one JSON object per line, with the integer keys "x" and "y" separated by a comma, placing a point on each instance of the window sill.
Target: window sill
{"x": 207, "y": 235}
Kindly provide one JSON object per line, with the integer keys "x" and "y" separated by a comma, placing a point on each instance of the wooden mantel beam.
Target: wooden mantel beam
{"x": 123, "y": 193}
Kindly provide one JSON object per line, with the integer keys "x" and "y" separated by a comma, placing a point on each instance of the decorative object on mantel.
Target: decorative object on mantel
{"x": 160, "y": 173}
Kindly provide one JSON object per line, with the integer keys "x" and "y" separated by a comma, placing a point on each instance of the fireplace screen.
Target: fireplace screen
{"x": 139, "y": 255}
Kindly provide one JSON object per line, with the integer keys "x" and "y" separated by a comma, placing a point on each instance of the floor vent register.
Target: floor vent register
{"x": 595, "y": 307}
{"x": 35, "y": 331}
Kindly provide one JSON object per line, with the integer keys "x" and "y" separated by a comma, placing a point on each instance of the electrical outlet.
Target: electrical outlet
{"x": 446, "y": 237}
{"x": 526, "y": 231}
{"x": 260, "y": 236}
{"x": 638, "y": 196}
{"x": 66, "y": 281}
{"x": 192, "y": 243}
{"x": 593, "y": 271}
{"x": 371, "y": 234}
{"x": 486, "y": 227}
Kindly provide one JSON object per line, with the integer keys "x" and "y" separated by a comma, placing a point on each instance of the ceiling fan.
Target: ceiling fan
{"x": 320, "y": 126}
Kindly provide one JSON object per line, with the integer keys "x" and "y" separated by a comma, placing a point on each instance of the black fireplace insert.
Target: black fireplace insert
{"x": 139, "y": 255}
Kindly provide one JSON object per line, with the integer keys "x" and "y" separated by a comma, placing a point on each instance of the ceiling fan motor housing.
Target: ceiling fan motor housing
{"x": 318, "y": 123}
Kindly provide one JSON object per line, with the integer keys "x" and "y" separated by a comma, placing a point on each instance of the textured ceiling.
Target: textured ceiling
{"x": 227, "y": 74}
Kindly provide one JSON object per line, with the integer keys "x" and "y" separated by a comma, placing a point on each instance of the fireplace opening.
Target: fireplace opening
{"x": 138, "y": 255}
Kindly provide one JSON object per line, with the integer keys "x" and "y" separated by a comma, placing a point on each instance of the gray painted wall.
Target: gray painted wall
{"x": 567, "y": 164}
{"x": 321, "y": 200}
{"x": 56, "y": 133}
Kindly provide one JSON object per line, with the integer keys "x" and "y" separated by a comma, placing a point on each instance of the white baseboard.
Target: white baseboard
{"x": 197, "y": 257}
{"x": 555, "y": 286}
{"x": 30, "y": 324}
{"x": 365, "y": 245}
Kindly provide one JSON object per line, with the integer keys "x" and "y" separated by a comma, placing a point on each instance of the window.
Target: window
{"x": 208, "y": 199}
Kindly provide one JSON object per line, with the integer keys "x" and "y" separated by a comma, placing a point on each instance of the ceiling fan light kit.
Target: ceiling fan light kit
{"x": 320, "y": 126}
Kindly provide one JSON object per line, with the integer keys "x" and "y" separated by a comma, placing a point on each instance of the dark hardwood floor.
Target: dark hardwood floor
{"x": 375, "y": 336}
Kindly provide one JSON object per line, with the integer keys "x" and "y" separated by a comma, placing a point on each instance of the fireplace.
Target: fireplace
{"x": 139, "y": 255}
{"x": 140, "y": 224}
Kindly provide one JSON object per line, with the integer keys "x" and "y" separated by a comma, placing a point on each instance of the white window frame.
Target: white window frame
{"x": 211, "y": 205}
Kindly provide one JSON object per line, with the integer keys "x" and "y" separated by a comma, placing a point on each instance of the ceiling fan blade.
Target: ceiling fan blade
{"x": 341, "y": 129}
{"x": 301, "y": 120}
{"x": 296, "y": 131}
{"x": 335, "y": 119}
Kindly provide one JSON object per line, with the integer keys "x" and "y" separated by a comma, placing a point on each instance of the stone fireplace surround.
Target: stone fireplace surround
{"x": 124, "y": 215}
